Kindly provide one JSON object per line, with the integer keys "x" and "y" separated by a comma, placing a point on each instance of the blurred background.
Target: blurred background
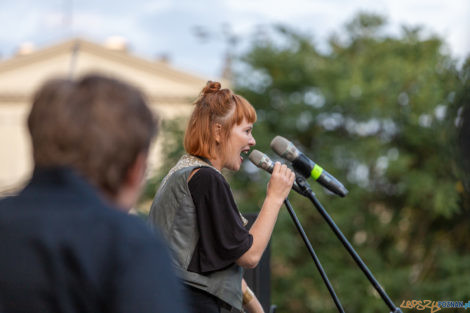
{"x": 374, "y": 91}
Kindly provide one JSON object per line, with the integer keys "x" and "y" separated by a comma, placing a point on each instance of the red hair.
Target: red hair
{"x": 215, "y": 105}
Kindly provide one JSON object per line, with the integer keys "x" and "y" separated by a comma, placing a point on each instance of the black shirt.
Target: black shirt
{"x": 63, "y": 249}
{"x": 222, "y": 236}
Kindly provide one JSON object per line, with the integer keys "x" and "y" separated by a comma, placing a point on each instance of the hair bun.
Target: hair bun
{"x": 211, "y": 87}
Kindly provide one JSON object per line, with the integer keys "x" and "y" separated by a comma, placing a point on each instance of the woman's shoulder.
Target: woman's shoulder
{"x": 209, "y": 172}
{"x": 207, "y": 175}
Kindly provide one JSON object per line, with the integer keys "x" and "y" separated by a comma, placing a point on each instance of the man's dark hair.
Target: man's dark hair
{"x": 96, "y": 125}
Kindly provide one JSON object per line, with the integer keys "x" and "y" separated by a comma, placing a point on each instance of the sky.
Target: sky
{"x": 170, "y": 28}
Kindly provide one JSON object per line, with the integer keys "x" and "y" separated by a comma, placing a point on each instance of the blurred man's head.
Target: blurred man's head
{"x": 99, "y": 126}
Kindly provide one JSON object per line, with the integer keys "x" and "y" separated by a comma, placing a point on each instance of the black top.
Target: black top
{"x": 222, "y": 236}
{"x": 63, "y": 249}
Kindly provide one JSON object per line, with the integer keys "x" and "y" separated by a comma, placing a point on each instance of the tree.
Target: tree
{"x": 381, "y": 113}
{"x": 378, "y": 112}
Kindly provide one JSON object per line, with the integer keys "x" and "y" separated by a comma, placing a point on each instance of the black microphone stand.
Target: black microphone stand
{"x": 307, "y": 191}
{"x": 314, "y": 256}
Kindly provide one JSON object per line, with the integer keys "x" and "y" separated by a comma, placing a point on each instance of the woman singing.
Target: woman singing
{"x": 195, "y": 210}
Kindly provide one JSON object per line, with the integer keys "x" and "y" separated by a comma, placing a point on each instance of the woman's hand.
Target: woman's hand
{"x": 281, "y": 182}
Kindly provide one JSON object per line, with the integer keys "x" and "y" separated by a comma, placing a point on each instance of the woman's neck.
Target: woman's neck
{"x": 217, "y": 163}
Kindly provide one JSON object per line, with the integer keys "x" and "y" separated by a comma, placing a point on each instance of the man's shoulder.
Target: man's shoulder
{"x": 10, "y": 205}
{"x": 79, "y": 214}
{"x": 129, "y": 223}
{"x": 5, "y": 201}
{"x": 133, "y": 230}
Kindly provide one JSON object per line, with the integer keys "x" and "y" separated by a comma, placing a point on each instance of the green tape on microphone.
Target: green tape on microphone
{"x": 316, "y": 171}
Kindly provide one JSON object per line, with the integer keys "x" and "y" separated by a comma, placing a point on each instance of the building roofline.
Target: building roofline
{"x": 70, "y": 45}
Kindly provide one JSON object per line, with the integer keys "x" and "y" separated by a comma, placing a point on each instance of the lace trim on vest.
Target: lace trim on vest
{"x": 188, "y": 160}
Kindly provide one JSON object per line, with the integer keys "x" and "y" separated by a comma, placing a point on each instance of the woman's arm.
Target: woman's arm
{"x": 279, "y": 186}
{"x": 250, "y": 302}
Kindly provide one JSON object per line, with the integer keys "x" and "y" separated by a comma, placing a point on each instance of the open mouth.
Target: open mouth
{"x": 244, "y": 153}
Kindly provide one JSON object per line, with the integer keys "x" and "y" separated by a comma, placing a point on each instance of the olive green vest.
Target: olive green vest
{"x": 173, "y": 212}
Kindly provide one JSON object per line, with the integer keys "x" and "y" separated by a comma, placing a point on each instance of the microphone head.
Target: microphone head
{"x": 284, "y": 148}
{"x": 261, "y": 160}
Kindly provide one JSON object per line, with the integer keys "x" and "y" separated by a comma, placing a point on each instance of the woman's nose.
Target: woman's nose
{"x": 252, "y": 141}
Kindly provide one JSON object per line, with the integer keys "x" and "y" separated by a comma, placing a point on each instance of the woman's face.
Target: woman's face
{"x": 239, "y": 142}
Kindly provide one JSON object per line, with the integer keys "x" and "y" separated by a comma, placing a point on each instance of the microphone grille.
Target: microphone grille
{"x": 261, "y": 160}
{"x": 284, "y": 148}
{"x": 256, "y": 156}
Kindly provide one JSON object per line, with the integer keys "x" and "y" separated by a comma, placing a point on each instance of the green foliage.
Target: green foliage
{"x": 379, "y": 113}
{"x": 463, "y": 120}
{"x": 171, "y": 136}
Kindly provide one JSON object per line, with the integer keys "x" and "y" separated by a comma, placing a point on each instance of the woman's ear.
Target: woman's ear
{"x": 217, "y": 132}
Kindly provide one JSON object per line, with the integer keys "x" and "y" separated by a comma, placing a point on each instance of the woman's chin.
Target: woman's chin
{"x": 234, "y": 167}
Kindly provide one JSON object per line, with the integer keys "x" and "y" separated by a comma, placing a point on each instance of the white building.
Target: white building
{"x": 170, "y": 92}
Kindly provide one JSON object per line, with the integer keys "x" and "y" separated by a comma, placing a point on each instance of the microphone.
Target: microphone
{"x": 305, "y": 166}
{"x": 262, "y": 161}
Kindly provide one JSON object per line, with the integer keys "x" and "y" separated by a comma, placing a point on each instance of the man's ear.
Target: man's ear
{"x": 217, "y": 132}
{"x": 136, "y": 172}
{"x": 132, "y": 184}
